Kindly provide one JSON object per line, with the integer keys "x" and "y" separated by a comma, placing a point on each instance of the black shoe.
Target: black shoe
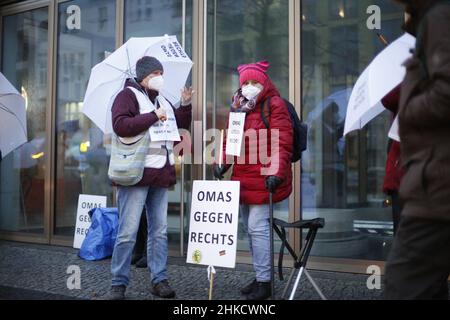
{"x": 261, "y": 292}
{"x": 142, "y": 263}
{"x": 162, "y": 289}
{"x": 249, "y": 288}
{"x": 117, "y": 292}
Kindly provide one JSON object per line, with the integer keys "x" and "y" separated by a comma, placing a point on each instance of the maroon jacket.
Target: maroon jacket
{"x": 394, "y": 170}
{"x": 127, "y": 122}
{"x": 253, "y": 190}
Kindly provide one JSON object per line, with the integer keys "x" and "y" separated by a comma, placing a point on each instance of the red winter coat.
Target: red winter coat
{"x": 394, "y": 171}
{"x": 253, "y": 190}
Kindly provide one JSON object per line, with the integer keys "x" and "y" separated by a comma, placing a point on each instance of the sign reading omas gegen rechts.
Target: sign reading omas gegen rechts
{"x": 85, "y": 204}
{"x": 213, "y": 223}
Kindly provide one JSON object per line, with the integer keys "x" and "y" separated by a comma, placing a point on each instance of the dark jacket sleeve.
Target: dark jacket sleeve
{"x": 126, "y": 120}
{"x": 281, "y": 121}
{"x": 183, "y": 115}
{"x": 431, "y": 106}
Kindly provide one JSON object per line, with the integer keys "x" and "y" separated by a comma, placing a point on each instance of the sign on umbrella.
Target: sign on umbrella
{"x": 383, "y": 74}
{"x": 108, "y": 77}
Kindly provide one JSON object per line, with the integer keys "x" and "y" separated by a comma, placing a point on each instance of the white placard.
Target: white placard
{"x": 214, "y": 223}
{"x": 235, "y": 133}
{"x": 165, "y": 130}
{"x": 85, "y": 204}
{"x": 394, "y": 132}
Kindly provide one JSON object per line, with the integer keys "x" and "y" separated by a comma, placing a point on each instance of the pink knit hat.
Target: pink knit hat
{"x": 253, "y": 71}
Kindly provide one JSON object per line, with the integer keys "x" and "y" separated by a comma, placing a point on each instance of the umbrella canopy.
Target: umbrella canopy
{"x": 13, "y": 125}
{"x": 108, "y": 77}
{"x": 383, "y": 74}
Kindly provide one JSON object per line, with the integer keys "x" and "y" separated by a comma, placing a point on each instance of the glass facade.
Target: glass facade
{"x": 232, "y": 39}
{"x": 341, "y": 178}
{"x": 22, "y": 172}
{"x": 82, "y": 150}
{"x": 147, "y": 18}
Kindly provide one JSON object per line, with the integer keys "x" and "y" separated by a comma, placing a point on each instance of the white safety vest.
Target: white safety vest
{"x": 158, "y": 150}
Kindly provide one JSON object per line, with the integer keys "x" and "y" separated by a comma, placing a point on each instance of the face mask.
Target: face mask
{"x": 156, "y": 83}
{"x": 251, "y": 91}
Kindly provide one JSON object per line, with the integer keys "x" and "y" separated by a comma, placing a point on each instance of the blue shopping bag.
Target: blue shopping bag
{"x": 101, "y": 237}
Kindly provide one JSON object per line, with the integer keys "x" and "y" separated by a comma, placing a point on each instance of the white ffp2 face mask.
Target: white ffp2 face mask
{"x": 251, "y": 91}
{"x": 156, "y": 83}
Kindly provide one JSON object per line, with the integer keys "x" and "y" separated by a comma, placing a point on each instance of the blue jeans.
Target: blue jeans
{"x": 131, "y": 201}
{"x": 256, "y": 223}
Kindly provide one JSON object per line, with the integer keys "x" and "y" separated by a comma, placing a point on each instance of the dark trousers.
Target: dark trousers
{"x": 418, "y": 265}
{"x": 396, "y": 210}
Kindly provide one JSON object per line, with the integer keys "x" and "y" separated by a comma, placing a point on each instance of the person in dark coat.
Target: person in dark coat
{"x": 394, "y": 170}
{"x": 419, "y": 262}
{"x": 136, "y": 109}
{"x": 257, "y": 89}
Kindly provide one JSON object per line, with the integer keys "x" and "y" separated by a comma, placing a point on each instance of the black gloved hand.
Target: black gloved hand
{"x": 272, "y": 183}
{"x": 219, "y": 171}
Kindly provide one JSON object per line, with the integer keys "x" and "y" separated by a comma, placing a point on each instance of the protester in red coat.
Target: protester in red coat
{"x": 253, "y": 183}
{"x": 394, "y": 170}
{"x": 256, "y": 91}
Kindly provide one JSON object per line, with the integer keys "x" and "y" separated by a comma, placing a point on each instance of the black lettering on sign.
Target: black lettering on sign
{"x": 84, "y": 218}
{"x": 213, "y": 217}
{"x": 163, "y": 47}
{"x": 236, "y": 123}
{"x": 90, "y": 205}
{"x": 82, "y": 231}
{"x": 213, "y": 196}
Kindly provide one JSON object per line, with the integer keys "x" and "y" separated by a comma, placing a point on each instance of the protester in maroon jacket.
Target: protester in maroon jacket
{"x": 256, "y": 89}
{"x": 394, "y": 171}
{"x": 136, "y": 109}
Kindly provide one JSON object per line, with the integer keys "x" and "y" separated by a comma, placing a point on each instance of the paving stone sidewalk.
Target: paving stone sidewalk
{"x": 30, "y": 271}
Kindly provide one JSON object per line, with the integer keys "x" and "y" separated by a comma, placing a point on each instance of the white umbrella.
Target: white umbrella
{"x": 383, "y": 74}
{"x": 108, "y": 77}
{"x": 13, "y": 125}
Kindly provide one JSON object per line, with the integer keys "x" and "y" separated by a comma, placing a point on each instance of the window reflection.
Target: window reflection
{"x": 240, "y": 32}
{"x": 82, "y": 152}
{"x": 342, "y": 177}
{"x": 147, "y": 18}
{"x": 24, "y": 64}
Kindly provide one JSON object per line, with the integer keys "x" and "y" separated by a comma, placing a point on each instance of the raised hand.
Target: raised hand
{"x": 186, "y": 95}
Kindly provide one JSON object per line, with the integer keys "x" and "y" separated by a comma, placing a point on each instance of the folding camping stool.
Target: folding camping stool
{"x": 313, "y": 226}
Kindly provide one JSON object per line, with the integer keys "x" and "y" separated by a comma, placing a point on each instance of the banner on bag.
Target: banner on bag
{"x": 85, "y": 204}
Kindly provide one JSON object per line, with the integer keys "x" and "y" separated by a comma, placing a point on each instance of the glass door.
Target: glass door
{"x": 23, "y": 172}
{"x": 342, "y": 177}
{"x": 147, "y": 18}
{"x": 86, "y": 35}
{"x": 240, "y": 32}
